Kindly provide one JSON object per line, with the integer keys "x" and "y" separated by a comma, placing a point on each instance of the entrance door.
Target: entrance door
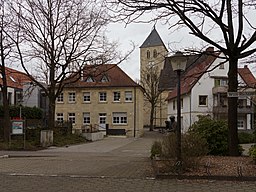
{"x": 102, "y": 122}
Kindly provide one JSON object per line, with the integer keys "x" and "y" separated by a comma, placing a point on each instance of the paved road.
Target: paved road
{"x": 113, "y": 164}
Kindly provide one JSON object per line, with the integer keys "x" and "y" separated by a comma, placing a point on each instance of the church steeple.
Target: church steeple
{"x": 153, "y": 39}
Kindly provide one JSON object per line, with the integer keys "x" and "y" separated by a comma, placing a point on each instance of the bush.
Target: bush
{"x": 26, "y": 112}
{"x": 192, "y": 148}
{"x": 252, "y": 153}
{"x": 214, "y": 132}
{"x": 246, "y": 137}
{"x": 156, "y": 149}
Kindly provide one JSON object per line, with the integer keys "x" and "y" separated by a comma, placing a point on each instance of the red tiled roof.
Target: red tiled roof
{"x": 192, "y": 75}
{"x": 247, "y": 76}
{"x": 116, "y": 77}
{"x": 15, "y": 78}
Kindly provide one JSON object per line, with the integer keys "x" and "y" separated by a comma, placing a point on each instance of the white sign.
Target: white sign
{"x": 17, "y": 127}
{"x": 238, "y": 94}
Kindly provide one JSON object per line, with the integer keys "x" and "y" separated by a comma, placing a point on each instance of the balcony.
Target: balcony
{"x": 219, "y": 89}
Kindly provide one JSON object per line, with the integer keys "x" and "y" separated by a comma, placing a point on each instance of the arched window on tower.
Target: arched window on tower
{"x": 155, "y": 53}
{"x": 148, "y": 54}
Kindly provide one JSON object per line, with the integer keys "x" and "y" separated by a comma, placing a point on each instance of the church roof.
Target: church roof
{"x": 152, "y": 40}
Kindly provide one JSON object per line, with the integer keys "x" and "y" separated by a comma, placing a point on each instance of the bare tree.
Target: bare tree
{"x": 227, "y": 25}
{"x": 150, "y": 82}
{"x": 57, "y": 38}
{"x": 6, "y": 48}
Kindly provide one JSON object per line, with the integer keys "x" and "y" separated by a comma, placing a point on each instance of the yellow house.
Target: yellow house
{"x": 105, "y": 98}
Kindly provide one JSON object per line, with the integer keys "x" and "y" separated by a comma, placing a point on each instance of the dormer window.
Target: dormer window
{"x": 89, "y": 79}
{"x": 104, "y": 79}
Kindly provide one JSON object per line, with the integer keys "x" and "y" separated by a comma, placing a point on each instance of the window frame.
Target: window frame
{"x": 128, "y": 98}
{"x": 116, "y": 96}
{"x": 60, "y": 117}
{"x": 72, "y": 118}
{"x": 119, "y": 118}
{"x": 84, "y": 96}
{"x": 71, "y": 97}
{"x": 103, "y": 97}
{"x": 86, "y": 118}
{"x": 205, "y": 97}
{"x": 60, "y": 98}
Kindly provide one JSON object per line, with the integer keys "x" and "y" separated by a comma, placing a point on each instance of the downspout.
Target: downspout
{"x": 190, "y": 113}
{"x": 135, "y": 109}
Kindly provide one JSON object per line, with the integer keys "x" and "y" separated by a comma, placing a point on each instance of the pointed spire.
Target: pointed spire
{"x": 153, "y": 39}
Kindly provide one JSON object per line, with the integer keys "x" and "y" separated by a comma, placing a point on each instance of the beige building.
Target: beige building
{"x": 153, "y": 53}
{"x": 105, "y": 99}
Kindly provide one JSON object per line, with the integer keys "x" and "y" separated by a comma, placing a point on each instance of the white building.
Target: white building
{"x": 204, "y": 91}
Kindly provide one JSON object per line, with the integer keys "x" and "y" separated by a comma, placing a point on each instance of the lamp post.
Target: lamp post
{"x": 178, "y": 61}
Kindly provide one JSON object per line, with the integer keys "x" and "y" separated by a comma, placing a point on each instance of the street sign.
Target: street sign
{"x": 240, "y": 94}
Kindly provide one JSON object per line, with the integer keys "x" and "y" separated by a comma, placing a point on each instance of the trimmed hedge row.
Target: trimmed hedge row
{"x": 26, "y": 112}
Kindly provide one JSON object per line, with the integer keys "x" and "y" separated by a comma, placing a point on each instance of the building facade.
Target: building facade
{"x": 204, "y": 92}
{"x": 105, "y": 99}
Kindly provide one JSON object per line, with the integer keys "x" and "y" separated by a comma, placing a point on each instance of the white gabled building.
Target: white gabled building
{"x": 204, "y": 91}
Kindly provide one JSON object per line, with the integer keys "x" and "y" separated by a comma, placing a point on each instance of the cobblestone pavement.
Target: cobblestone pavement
{"x": 113, "y": 164}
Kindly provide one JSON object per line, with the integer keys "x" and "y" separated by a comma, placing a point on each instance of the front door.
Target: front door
{"x": 102, "y": 122}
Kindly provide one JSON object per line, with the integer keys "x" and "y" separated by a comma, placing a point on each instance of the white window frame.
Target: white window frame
{"x": 120, "y": 118}
{"x": 59, "y": 117}
{"x": 86, "y": 118}
{"x": 116, "y": 96}
{"x": 72, "y": 97}
{"x": 72, "y": 118}
{"x": 103, "y": 96}
{"x": 128, "y": 96}
{"x": 206, "y": 100}
{"x": 86, "y": 97}
{"x": 60, "y": 98}
{"x": 240, "y": 124}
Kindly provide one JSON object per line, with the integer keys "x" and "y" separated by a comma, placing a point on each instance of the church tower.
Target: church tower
{"x": 152, "y": 57}
{"x": 152, "y": 51}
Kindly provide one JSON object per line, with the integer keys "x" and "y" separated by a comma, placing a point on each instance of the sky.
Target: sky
{"x": 137, "y": 33}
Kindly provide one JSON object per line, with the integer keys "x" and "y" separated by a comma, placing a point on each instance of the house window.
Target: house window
{"x": 104, "y": 79}
{"x": 128, "y": 96}
{"x": 72, "y": 97}
{"x": 116, "y": 96}
{"x": 59, "y": 117}
{"x": 155, "y": 53}
{"x": 87, "y": 119}
{"x": 221, "y": 66}
{"x": 173, "y": 104}
{"x": 240, "y": 124}
{"x": 220, "y": 82}
{"x": 60, "y": 98}
{"x": 87, "y": 97}
{"x": 119, "y": 118}
{"x": 72, "y": 117}
{"x": 103, "y": 96}
{"x": 148, "y": 54}
{"x": 89, "y": 80}
{"x": 202, "y": 100}
{"x": 102, "y": 118}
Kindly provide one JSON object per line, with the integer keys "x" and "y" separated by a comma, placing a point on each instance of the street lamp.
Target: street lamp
{"x": 178, "y": 61}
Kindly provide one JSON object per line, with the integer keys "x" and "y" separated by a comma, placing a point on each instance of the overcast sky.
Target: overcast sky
{"x": 137, "y": 33}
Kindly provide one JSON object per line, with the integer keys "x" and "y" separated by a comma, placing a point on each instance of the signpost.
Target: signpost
{"x": 18, "y": 128}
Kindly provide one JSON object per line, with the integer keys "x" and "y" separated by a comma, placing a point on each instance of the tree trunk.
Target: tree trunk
{"x": 51, "y": 113}
{"x": 6, "y": 108}
{"x": 151, "y": 124}
{"x": 232, "y": 108}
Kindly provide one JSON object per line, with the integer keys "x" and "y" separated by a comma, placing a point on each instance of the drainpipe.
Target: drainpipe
{"x": 135, "y": 108}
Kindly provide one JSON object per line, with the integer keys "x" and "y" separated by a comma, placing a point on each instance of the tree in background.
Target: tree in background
{"x": 56, "y": 38}
{"x": 150, "y": 83}
{"x": 227, "y": 25}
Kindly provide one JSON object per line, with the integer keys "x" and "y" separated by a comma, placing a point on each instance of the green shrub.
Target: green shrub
{"x": 215, "y": 132}
{"x": 193, "y": 147}
{"x": 156, "y": 149}
{"x": 252, "y": 152}
{"x": 245, "y": 137}
{"x": 26, "y": 112}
